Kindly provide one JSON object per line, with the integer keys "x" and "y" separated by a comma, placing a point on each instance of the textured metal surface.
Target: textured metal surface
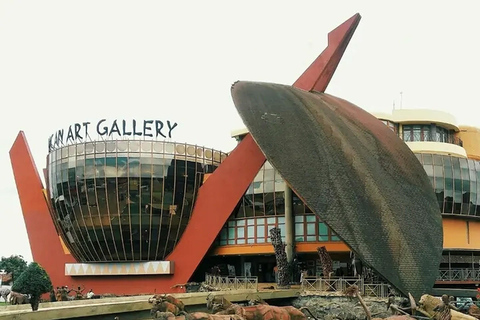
{"x": 353, "y": 172}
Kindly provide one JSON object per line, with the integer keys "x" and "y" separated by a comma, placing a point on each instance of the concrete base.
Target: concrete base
{"x": 125, "y": 305}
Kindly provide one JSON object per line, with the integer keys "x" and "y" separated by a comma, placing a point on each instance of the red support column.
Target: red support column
{"x": 44, "y": 240}
{"x": 320, "y": 72}
{"x": 217, "y": 199}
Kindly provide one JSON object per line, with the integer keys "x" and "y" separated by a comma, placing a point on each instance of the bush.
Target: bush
{"x": 35, "y": 282}
{"x": 14, "y": 264}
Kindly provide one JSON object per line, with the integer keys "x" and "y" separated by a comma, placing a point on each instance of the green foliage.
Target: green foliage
{"x": 34, "y": 280}
{"x": 14, "y": 264}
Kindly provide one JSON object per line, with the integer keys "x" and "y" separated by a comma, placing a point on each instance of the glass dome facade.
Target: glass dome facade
{"x": 456, "y": 182}
{"x": 125, "y": 200}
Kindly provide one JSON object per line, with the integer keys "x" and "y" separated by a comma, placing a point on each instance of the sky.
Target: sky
{"x": 65, "y": 62}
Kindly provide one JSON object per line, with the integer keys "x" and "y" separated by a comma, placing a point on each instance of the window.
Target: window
{"x": 417, "y": 133}
{"x": 391, "y": 125}
{"x": 299, "y": 228}
{"x": 322, "y": 232}
{"x": 334, "y": 237}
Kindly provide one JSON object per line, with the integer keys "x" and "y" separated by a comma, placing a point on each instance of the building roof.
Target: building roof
{"x": 412, "y": 116}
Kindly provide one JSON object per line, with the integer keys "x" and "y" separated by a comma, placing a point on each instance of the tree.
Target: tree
{"x": 15, "y": 264}
{"x": 35, "y": 282}
{"x": 281, "y": 257}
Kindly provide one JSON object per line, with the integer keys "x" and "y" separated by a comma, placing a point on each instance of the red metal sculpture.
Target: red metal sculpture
{"x": 216, "y": 199}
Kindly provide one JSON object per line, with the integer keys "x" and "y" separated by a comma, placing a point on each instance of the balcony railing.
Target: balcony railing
{"x": 321, "y": 285}
{"x": 458, "y": 275}
{"x": 424, "y": 136}
{"x": 231, "y": 283}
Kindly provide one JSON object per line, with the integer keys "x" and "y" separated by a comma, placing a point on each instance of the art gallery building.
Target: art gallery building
{"x": 120, "y": 207}
{"x": 450, "y": 155}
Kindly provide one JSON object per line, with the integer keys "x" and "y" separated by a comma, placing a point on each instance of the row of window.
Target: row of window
{"x": 145, "y": 148}
{"x": 268, "y": 204}
{"x": 308, "y": 228}
{"x": 250, "y": 231}
{"x": 121, "y": 166}
{"x": 425, "y": 132}
{"x": 428, "y": 133}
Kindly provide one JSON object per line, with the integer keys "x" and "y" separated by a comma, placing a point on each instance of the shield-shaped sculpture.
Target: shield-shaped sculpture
{"x": 355, "y": 173}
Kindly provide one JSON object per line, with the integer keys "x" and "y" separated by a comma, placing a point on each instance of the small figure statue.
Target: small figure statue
{"x": 53, "y": 296}
{"x": 58, "y": 294}
{"x": 90, "y": 294}
{"x": 215, "y": 270}
{"x": 444, "y": 309}
{"x": 79, "y": 293}
{"x": 64, "y": 293}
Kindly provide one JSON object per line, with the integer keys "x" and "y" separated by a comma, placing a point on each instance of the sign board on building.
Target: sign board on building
{"x": 81, "y": 132}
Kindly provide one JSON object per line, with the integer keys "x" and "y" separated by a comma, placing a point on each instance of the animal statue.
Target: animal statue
{"x": 222, "y": 306}
{"x": 165, "y": 306}
{"x": 429, "y": 306}
{"x": 194, "y": 316}
{"x": 326, "y": 262}
{"x": 166, "y": 303}
{"x": 444, "y": 309}
{"x": 474, "y": 311}
{"x": 405, "y": 309}
{"x": 18, "y": 298}
{"x": 170, "y": 299}
{"x": 217, "y": 303}
{"x": 354, "y": 291}
{"x": 4, "y": 292}
{"x": 256, "y": 301}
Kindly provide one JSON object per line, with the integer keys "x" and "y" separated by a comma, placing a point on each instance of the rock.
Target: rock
{"x": 339, "y": 307}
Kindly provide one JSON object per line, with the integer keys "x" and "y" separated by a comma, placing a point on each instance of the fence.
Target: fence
{"x": 408, "y": 136}
{"x": 379, "y": 290}
{"x": 231, "y": 283}
{"x": 458, "y": 275}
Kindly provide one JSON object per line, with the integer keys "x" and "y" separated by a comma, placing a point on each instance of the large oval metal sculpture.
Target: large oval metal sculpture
{"x": 354, "y": 173}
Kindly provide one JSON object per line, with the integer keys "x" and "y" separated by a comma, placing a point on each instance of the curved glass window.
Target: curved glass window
{"x": 429, "y": 132}
{"x": 265, "y": 195}
{"x": 263, "y": 207}
{"x": 119, "y": 204}
{"x": 455, "y": 181}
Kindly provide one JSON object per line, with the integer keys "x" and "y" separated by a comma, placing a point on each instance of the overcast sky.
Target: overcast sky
{"x": 63, "y": 62}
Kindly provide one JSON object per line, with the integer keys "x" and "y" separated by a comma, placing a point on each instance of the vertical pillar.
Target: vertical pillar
{"x": 242, "y": 266}
{"x": 433, "y": 132}
{"x": 289, "y": 223}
